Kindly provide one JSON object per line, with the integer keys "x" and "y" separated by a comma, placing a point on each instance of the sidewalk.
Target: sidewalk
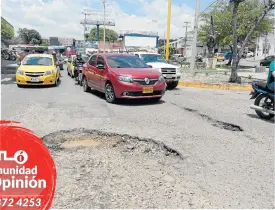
{"x": 219, "y": 80}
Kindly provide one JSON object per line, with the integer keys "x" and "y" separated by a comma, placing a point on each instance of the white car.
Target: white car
{"x": 170, "y": 72}
{"x": 250, "y": 54}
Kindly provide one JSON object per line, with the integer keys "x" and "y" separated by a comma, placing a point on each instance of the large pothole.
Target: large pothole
{"x": 103, "y": 170}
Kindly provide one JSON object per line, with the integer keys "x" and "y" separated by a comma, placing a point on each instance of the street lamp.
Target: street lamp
{"x": 104, "y": 35}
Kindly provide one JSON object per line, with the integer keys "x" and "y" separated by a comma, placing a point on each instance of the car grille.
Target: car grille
{"x": 34, "y": 74}
{"x": 158, "y": 92}
{"x": 168, "y": 70}
{"x": 142, "y": 81}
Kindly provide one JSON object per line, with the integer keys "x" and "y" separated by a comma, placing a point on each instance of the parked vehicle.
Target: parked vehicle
{"x": 264, "y": 100}
{"x": 37, "y": 69}
{"x": 250, "y": 54}
{"x": 122, "y": 76}
{"x": 171, "y": 73}
{"x": 219, "y": 56}
{"x": 5, "y": 54}
{"x": 267, "y": 61}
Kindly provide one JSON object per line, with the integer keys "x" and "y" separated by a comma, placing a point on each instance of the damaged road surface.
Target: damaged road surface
{"x": 195, "y": 148}
{"x": 102, "y": 170}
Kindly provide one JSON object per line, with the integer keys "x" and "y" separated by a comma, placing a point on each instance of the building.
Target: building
{"x": 161, "y": 42}
{"x": 179, "y": 44}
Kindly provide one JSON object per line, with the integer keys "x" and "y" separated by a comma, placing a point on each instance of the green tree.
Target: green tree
{"x": 7, "y": 32}
{"x": 30, "y": 36}
{"x": 172, "y": 50}
{"x": 247, "y": 15}
{"x": 44, "y": 43}
{"x": 110, "y": 35}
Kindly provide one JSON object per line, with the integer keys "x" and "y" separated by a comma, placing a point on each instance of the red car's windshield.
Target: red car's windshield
{"x": 125, "y": 62}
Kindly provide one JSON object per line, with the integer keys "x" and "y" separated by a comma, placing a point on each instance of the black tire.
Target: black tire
{"x": 261, "y": 114}
{"x": 20, "y": 86}
{"x": 156, "y": 99}
{"x": 13, "y": 58}
{"x": 110, "y": 95}
{"x": 172, "y": 85}
{"x": 86, "y": 87}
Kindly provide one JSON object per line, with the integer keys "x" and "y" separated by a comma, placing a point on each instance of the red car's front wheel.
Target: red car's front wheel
{"x": 110, "y": 93}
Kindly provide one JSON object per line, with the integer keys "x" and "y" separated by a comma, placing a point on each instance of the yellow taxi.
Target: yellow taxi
{"x": 70, "y": 66}
{"x": 219, "y": 56}
{"x": 37, "y": 69}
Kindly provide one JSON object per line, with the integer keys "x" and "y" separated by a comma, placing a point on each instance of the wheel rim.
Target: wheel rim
{"x": 109, "y": 93}
{"x": 261, "y": 104}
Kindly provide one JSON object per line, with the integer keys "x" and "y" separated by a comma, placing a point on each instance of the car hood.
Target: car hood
{"x": 161, "y": 65}
{"x": 137, "y": 72}
{"x": 35, "y": 68}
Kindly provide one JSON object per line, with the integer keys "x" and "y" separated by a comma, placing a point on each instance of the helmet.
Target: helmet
{"x": 78, "y": 55}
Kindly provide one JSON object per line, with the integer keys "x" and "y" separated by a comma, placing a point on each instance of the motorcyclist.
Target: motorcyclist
{"x": 78, "y": 61}
{"x": 271, "y": 76}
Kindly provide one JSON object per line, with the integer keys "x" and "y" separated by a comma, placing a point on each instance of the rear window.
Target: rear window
{"x": 41, "y": 61}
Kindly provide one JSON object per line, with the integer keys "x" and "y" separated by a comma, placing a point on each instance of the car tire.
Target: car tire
{"x": 86, "y": 87}
{"x": 110, "y": 95}
{"x": 20, "y": 86}
{"x": 172, "y": 85}
{"x": 156, "y": 99}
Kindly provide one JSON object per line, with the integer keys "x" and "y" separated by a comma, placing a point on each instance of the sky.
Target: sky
{"x": 61, "y": 18}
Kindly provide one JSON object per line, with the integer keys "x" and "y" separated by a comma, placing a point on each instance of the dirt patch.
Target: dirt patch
{"x": 80, "y": 143}
{"x": 109, "y": 170}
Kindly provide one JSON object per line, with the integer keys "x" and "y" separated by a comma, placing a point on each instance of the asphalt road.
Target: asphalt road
{"x": 228, "y": 152}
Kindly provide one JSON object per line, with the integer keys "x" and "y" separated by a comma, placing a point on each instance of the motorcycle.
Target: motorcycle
{"x": 78, "y": 77}
{"x": 261, "y": 93}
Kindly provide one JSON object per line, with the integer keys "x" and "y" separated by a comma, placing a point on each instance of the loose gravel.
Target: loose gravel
{"x": 104, "y": 170}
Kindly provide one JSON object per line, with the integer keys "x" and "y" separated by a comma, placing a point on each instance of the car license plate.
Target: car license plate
{"x": 148, "y": 90}
{"x": 169, "y": 76}
{"x": 34, "y": 79}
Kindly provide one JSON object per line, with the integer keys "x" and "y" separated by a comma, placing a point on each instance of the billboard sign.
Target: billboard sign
{"x": 66, "y": 41}
{"x": 139, "y": 41}
{"x": 91, "y": 44}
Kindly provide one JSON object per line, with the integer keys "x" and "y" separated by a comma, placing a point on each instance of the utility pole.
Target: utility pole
{"x": 104, "y": 30}
{"x": 185, "y": 39}
{"x": 168, "y": 30}
{"x": 194, "y": 45}
{"x": 85, "y": 28}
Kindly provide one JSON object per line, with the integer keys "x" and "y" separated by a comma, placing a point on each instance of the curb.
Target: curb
{"x": 215, "y": 86}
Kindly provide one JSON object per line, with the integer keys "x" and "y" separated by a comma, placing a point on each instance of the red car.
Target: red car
{"x": 122, "y": 76}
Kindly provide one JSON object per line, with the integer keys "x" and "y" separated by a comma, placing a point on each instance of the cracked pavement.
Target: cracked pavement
{"x": 229, "y": 151}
